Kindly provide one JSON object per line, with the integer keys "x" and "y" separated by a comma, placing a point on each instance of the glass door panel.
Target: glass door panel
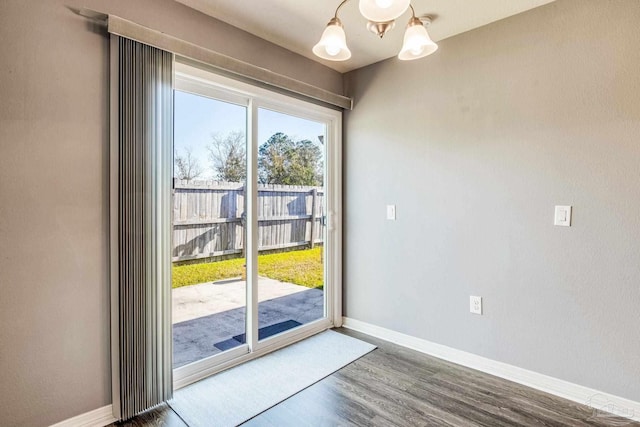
{"x": 209, "y": 223}
{"x": 291, "y": 221}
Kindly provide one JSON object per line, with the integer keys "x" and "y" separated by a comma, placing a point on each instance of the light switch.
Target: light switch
{"x": 391, "y": 212}
{"x": 562, "y": 216}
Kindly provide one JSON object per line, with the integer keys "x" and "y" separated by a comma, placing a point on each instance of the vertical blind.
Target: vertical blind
{"x": 144, "y": 145}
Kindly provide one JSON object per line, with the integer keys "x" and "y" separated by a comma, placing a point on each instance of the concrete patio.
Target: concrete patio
{"x": 209, "y": 318}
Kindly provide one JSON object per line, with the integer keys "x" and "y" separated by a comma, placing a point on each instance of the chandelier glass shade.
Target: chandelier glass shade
{"x": 383, "y": 10}
{"x": 333, "y": 43}
{"x": 417, "y": 43}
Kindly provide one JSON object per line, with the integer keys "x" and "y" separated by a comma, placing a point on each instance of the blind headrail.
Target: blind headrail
{"x": 131, "y": 30}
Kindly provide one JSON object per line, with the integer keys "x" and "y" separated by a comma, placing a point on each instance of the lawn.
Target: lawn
{"x": 300, "y": 267}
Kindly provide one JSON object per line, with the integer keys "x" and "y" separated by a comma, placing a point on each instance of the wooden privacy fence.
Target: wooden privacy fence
{"x": 209, "y": 218}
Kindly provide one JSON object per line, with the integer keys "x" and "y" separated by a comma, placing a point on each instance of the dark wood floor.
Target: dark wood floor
{"x": 395, "y": 386}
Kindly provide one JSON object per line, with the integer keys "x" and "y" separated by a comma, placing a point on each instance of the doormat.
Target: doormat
{"x": 263, "y": 333}
{"x": 240, "y": 393}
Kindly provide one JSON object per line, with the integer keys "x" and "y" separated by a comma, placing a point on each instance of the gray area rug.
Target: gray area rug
{"x": 239, "y": 394}
{"x": 197, "y": 338}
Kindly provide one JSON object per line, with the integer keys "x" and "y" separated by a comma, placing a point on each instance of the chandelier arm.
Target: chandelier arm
{"x": 413, "y": 12}
{"x": 338, "y": 8}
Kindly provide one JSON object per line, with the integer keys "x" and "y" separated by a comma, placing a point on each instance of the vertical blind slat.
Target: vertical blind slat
{"x": 145, "y": 144}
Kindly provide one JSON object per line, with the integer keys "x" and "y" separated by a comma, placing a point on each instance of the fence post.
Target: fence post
{"x": 314, "y": 194}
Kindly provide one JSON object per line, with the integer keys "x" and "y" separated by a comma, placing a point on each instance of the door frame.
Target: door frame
{"x": 204, "y": 82}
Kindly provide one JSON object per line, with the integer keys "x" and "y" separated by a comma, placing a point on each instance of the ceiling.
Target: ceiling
{"x": 297, "y": 24}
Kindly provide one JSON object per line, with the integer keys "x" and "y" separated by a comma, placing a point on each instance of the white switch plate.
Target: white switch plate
{"x": 562, "y": 216}
{"x": 475, "y": 305}
{"x": 391, "y": 212}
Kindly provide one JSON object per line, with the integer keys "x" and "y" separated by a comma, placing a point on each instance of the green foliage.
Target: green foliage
{"x": 300, "y": 267}
{"x": 284, "y": 161}
{"x": 281, "y": 160}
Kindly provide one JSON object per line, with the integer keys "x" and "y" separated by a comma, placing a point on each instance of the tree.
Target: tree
{"x": 186, "y": 166}
{"x": 281, "y": 160}
{"x": 228, "y": 156}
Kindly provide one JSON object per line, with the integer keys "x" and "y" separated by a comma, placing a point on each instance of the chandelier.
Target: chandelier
{"x": 381, "y": 16}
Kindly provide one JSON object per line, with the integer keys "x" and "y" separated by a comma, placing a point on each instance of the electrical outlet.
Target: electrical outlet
{"x": 475, "y": 305}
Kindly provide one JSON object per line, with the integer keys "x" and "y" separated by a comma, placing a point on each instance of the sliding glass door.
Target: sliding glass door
{"x": 291, "y": 159}
{"x": 256, "y": 230}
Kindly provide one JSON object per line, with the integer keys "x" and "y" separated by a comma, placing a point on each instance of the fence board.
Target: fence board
{"x": 209, "y": 218}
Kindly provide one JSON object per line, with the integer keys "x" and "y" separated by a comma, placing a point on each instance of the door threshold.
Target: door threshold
{"x": 196, "y": 371}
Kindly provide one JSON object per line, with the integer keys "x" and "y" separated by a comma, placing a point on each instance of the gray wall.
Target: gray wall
{"x": 475, "y": 145}
{"x": 54, "y": 296}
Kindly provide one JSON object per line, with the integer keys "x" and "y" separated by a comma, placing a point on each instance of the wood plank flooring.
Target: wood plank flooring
{"x": 395, "y": 386}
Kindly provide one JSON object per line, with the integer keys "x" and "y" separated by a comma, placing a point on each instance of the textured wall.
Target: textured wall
{"x": 54, "y": 291}
{"x": 475, "y": 145}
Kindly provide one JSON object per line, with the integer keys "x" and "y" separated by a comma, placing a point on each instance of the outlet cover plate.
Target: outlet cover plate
{"x": 475, "y": 305}
{"x": 391, "y": 212}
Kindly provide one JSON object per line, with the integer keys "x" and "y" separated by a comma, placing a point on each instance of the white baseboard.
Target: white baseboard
{"x": 602, "y": 403}
{"x": 597, "y": 400}
{"x": 97, "y": 418}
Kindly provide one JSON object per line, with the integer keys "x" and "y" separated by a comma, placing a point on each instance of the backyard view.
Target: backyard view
{"x": 210, "y": 225}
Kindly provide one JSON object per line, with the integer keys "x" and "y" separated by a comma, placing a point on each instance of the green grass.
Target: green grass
{"x": 300, "y": 267}
{"x": 191, "y": 274}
